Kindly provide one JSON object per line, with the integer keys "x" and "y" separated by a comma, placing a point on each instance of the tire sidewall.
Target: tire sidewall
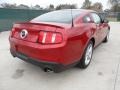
{"x": 82, "y": 61}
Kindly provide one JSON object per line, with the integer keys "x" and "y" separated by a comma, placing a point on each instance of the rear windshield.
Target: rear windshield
{"x": 61, "y": 16}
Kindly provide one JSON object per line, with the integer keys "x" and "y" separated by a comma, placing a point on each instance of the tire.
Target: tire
{"x": 106, "y": 38}
{"x": 87, "y": 56}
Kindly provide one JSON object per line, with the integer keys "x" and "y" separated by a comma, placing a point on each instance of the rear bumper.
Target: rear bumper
{"x": 57, "y": 57}
{"x": 47, "y": 53}
{"x": 53, "y": 66}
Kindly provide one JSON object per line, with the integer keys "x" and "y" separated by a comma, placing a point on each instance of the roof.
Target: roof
{"x": 81, "y": 10}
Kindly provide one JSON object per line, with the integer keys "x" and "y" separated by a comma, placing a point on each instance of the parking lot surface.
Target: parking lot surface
{"x": 102, "y": 74}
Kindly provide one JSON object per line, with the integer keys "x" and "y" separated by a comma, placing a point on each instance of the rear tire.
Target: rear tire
{"x": 87, "y": 56}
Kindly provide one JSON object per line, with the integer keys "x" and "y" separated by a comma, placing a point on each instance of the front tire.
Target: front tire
{"x": 87, "y": 56}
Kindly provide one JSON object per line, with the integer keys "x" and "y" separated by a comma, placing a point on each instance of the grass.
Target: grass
{"x": 112, "y": 19}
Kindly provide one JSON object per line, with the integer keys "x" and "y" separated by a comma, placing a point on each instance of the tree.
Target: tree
{"x": 114, "y": 2}
{"x": 97, "y": 7}
{"x": 22, "y": 6}
{"x": 6, "y": 5}
{"x": 86, "y": 4}
{"x": 37, "y": 7}
{"x": 115, "y": 8}
{"x": 66, "y": 6}
{"x": 51, "y": 7}
{"x": 115, "y": 5}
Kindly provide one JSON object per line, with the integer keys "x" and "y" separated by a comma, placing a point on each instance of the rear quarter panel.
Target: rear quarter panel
{"x": 78, "y": 38}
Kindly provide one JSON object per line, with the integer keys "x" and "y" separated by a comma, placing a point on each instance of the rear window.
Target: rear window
{"x": 61, "y": 16}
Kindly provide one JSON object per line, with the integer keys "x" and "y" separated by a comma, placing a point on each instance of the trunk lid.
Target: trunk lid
{"x": 33, "y": 30}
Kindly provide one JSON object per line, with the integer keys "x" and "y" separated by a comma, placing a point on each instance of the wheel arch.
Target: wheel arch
{"x": 109, "y": 27}
{"x": 93, "y": 40}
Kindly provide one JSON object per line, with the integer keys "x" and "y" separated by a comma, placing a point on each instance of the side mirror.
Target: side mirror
{"x": 105, "y": 21}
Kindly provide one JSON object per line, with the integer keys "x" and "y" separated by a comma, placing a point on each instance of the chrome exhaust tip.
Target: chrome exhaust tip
{"x": 48, "y": 70}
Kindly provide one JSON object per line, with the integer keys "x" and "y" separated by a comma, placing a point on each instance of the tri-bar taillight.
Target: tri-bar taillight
{"x": 12, "y": 32}
{"x": 46, "y": 37}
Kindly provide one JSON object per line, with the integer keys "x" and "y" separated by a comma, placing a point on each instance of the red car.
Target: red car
{"x": 59, "y": 39}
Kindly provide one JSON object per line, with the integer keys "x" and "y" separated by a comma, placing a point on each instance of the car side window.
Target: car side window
{"x": 96, "y": 18}
{"x": 87, "y": 19}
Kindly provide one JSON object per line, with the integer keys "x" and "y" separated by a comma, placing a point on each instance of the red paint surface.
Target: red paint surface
{"x": 70, "y": 50}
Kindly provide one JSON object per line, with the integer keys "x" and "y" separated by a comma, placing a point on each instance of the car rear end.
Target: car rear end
{"x": 42, "y": 44}
{"x": 45, "y": 40}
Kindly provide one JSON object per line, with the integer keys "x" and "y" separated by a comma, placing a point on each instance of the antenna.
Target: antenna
{"x": 72, "y": 17}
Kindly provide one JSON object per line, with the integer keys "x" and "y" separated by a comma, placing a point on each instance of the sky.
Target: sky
{"x": 45, "y": 3}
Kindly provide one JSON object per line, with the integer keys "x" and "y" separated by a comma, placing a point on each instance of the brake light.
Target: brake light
{"x": 12, "y": 32}
{"x": 49, "y": 37}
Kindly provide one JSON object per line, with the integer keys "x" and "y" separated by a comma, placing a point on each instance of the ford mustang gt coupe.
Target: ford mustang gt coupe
{"x": 59, "y": 39}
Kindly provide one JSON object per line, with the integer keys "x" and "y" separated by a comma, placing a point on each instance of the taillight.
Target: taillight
{"x": 12, "y": 32}
{"x": 50, "y": 37}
